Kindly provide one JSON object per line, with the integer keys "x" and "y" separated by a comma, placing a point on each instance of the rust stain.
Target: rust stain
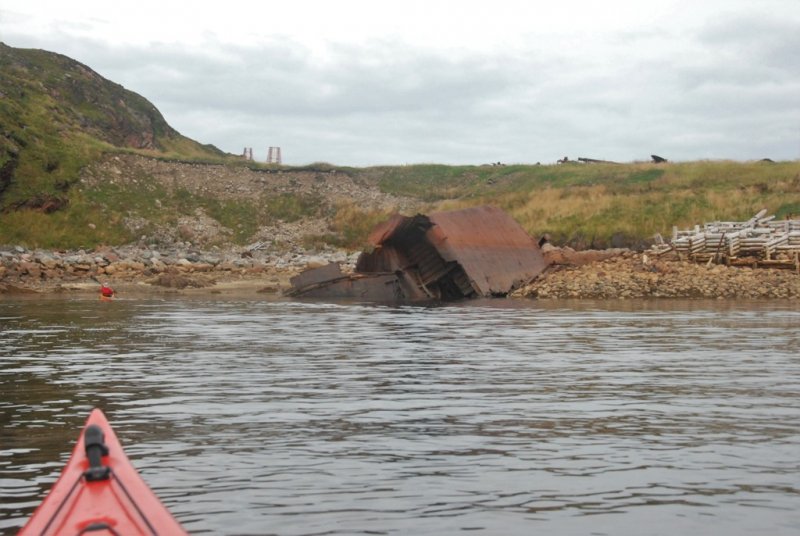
{"x": 478, "y": 251}
{"x": 492, "y": 248}
{"x": 316, "y": 276}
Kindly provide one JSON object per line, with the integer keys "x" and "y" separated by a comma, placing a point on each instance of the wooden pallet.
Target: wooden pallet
{"x": 768, "y": 241}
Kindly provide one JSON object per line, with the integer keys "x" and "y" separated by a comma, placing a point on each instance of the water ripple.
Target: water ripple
{"x": 487, "y": 417}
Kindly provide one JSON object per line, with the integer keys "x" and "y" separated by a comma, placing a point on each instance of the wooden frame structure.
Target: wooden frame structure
{"x": 761, "y": 240}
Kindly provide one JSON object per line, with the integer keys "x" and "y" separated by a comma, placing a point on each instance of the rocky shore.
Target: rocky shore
{"x": 609, "y": 274}
{"x": 146, "y": 269}
{"x": 627, "y": 275}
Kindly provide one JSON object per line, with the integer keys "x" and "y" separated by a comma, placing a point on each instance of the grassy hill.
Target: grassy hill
{"x": 57, "y": 117}
{"x": 601, "y": 205}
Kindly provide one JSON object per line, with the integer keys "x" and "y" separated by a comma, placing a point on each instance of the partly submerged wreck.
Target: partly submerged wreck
{"x": 475, "y": 252}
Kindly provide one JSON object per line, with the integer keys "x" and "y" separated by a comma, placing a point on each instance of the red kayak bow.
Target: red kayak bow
{"x": 99, "y": 492}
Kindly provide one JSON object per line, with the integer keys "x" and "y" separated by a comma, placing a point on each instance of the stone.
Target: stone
{"x": 202, "y": 267}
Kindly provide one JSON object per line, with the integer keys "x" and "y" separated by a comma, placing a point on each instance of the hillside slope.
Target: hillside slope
{"x": 85, "y": 162}
{"x": 56, "y": 115}
{"x": 606, "y": 204}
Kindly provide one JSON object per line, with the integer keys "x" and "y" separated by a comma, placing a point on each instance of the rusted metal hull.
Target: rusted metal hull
{"x": 493, "y": 250}
{"x": 467, "y": 253}
{"x": 372, "y": 287}
{"x": 316, "y": 276}
{"x": 328, "y": 282}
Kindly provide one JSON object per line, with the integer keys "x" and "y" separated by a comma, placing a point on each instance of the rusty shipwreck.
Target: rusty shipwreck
{"x": 475, "y": 252}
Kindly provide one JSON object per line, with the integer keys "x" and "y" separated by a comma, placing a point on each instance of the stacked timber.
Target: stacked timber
{"x": 759, "y": 240}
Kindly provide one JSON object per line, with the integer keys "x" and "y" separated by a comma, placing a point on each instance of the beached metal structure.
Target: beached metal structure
{"x": 475, "y": 252}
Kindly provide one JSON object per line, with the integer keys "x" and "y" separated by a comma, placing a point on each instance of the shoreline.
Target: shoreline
{"x": 631, "y": 275}
{"x": 135, "y": 270}
{"x": 597, "y": 275}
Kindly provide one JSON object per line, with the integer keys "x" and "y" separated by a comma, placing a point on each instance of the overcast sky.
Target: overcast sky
{"x": 356, "y": 82}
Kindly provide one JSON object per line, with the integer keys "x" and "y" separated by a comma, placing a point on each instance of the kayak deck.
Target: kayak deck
{"x": 99, "y": 491}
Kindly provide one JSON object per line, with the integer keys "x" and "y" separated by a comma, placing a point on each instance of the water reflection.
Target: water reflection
{"x": 488, "y": 417}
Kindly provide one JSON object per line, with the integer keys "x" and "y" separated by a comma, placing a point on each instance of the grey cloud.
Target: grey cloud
{"x": 348, "y": 83}
{"x": 759, "y": 40}
{"x": 710, "y": 95}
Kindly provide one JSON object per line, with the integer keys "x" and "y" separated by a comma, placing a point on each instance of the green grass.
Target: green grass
{"x": 598, "y": 204}
{"x": 351, "y": 225}
{"x": 57, "y": 117}
{"x": 788, "y": 210}
{"x": 96, "y": 216}
{"x": 291, "y": 207}
{"x": 582, "y": 205}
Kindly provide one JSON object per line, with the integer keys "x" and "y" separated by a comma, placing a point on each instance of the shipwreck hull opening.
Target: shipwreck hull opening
{"x": 446, "y": 256}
